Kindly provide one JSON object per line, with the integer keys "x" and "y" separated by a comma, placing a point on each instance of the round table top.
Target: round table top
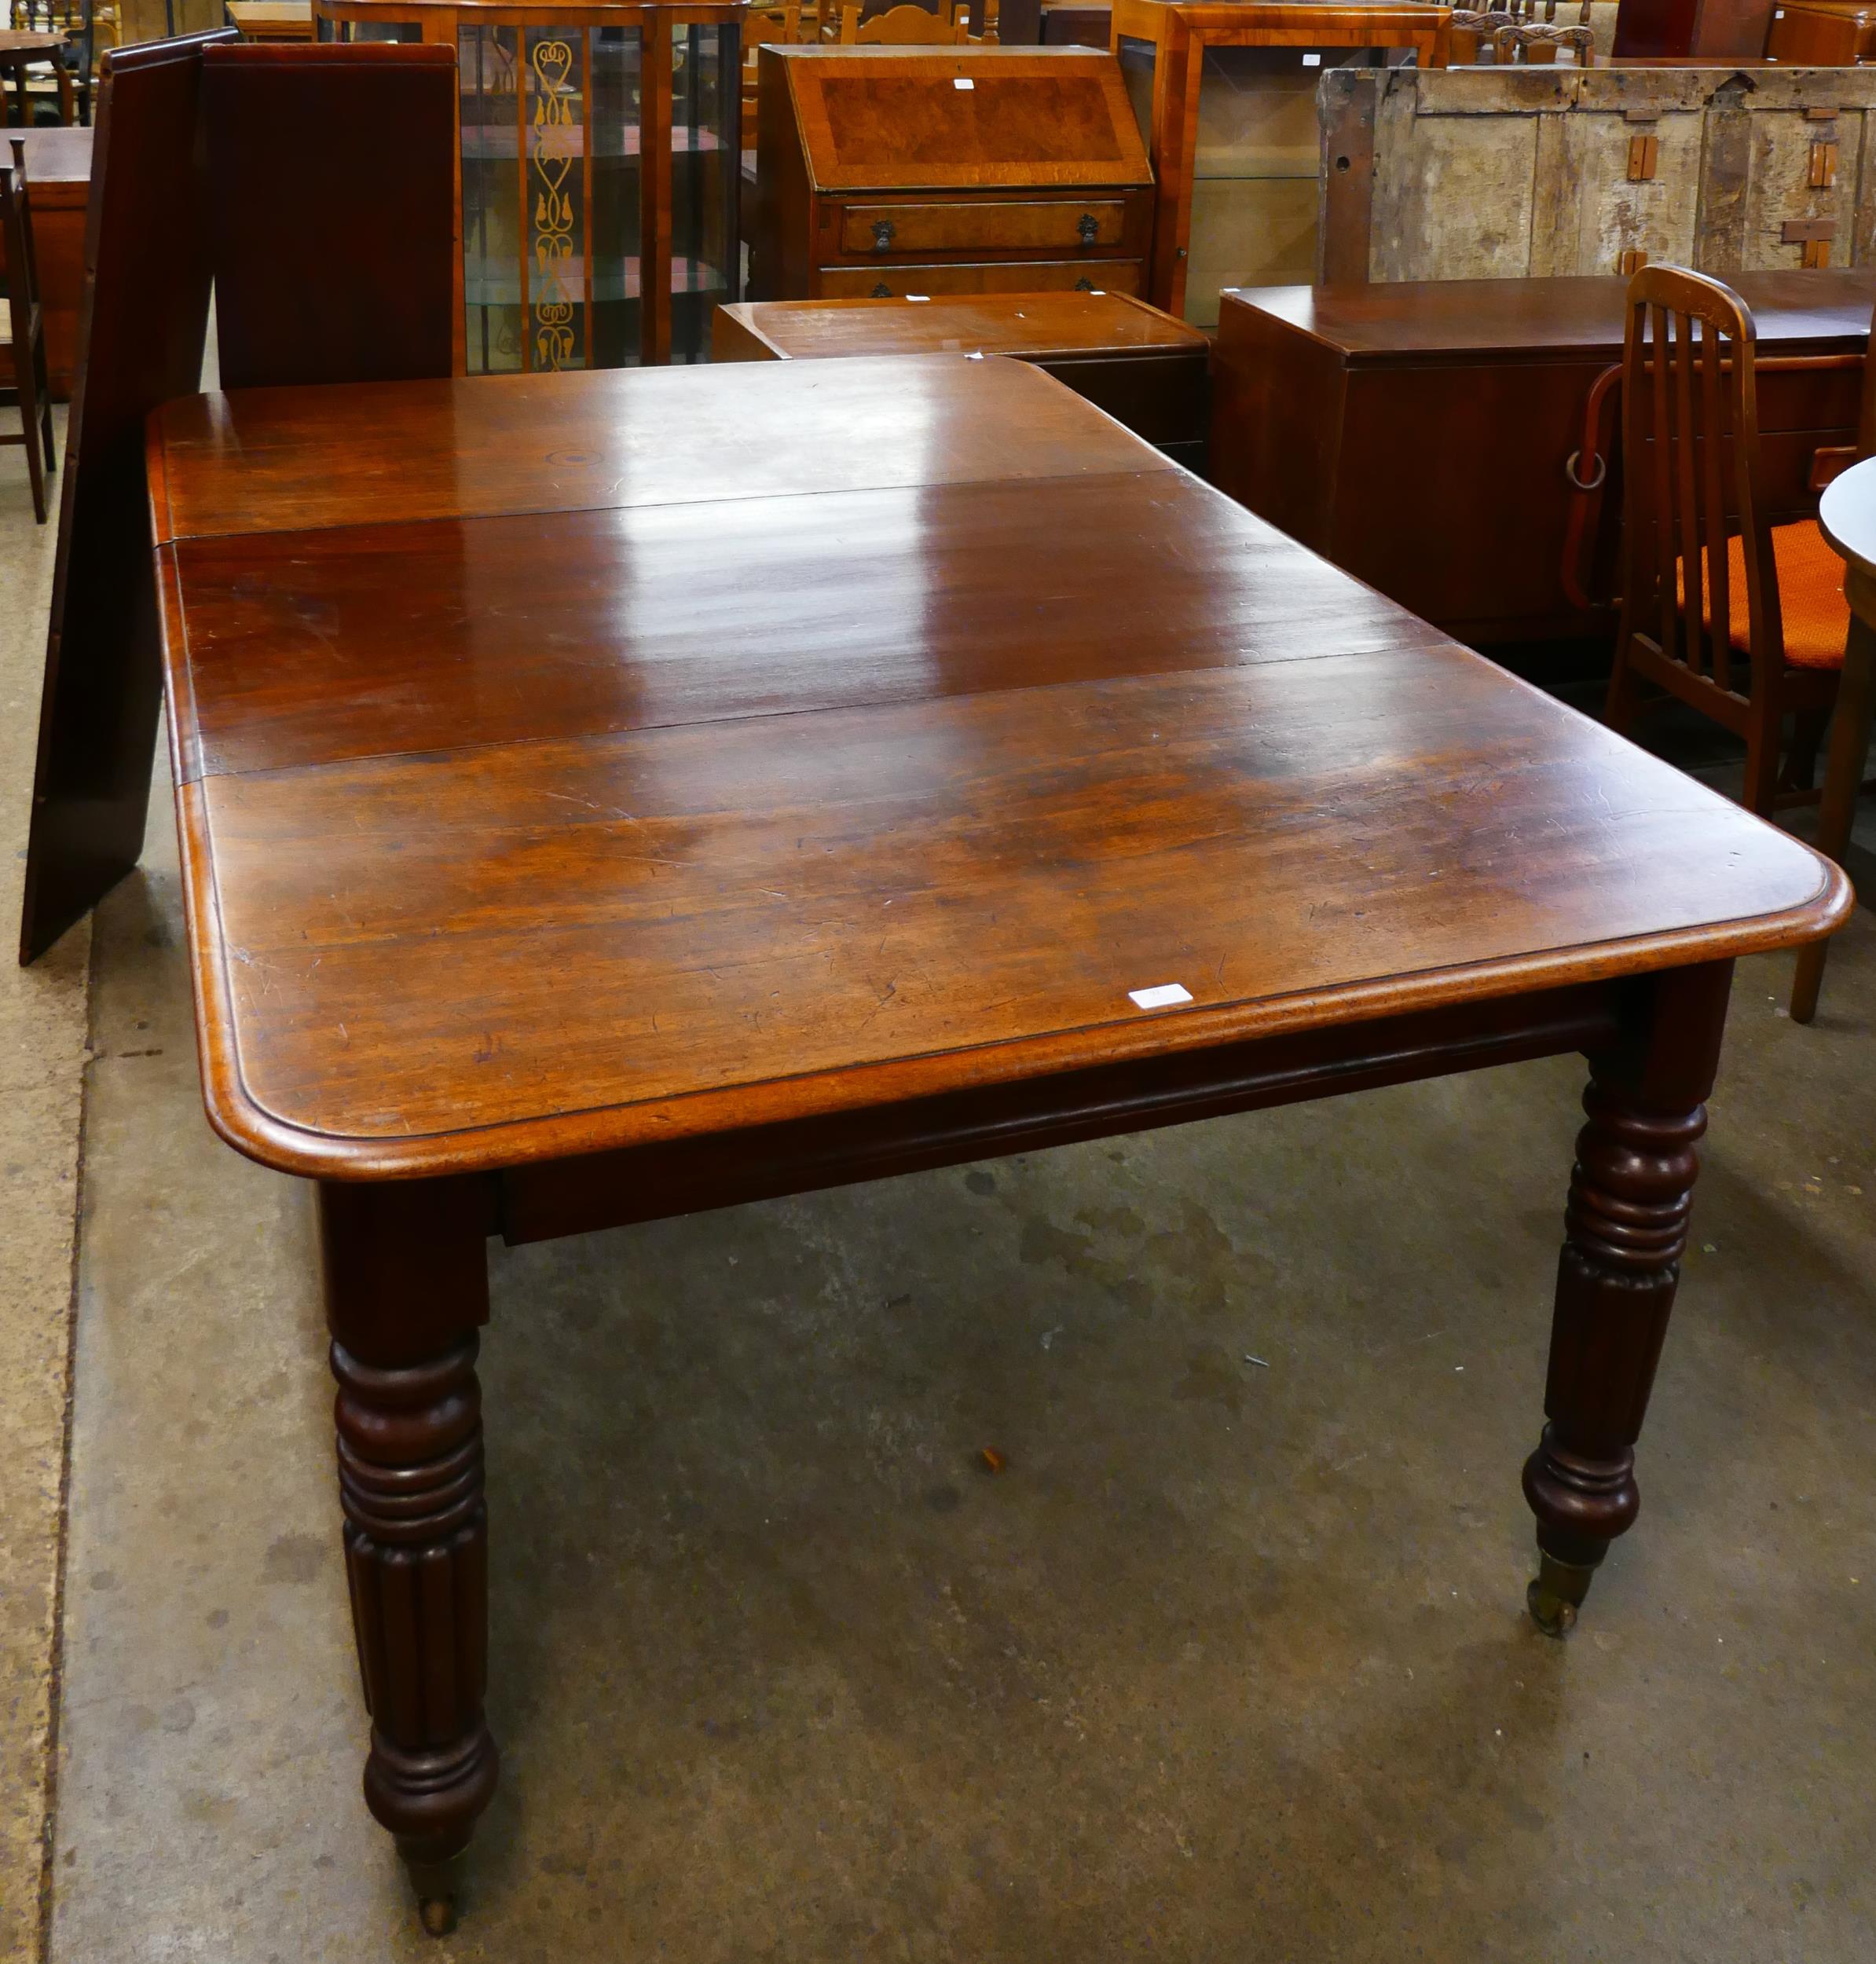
{"x": 1846, "y": 516}
{"x": 30, "y": 40}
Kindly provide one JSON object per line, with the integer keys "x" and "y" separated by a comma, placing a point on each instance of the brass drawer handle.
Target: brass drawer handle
{"x": 881, "y": 291}
{"x": 1084, "y": 286}
{"x": 882, "y": 234}
{"x": 1089, "y": 228}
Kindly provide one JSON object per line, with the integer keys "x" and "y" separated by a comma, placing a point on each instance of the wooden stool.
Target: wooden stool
{"x": 1847, "y": 517}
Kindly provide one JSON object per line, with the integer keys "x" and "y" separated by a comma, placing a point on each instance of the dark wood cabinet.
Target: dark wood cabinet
{"x": 885, "y": 172}
{"x": 1418, "y": 433}
{"x": 1673, "y": 30}
{"x": 1822, "y": 34}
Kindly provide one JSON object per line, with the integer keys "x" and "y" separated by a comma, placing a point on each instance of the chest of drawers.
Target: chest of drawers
{"x": 886, "y": 171}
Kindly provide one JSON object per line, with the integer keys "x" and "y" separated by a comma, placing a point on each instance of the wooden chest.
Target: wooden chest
{"x": 882, "y": 171}
{"x": 1595, "y": 170}
{"x": 1146, "y": 369}
{"x": 1822, "y": 34}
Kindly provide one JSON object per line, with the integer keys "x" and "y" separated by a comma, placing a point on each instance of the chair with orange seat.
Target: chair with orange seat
{"x": 1741, "y": 619}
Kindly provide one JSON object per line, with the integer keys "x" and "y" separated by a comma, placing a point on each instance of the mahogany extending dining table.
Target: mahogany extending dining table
{"x": 605, "y": 797}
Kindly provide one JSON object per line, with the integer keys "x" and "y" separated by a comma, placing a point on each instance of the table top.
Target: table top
{"x": 1536, "y": 318}
{"x": 1846, "y": 514}
{"x": 30, "y": 41}
{"x": 57, "y": 154}
{"x": 1031, "y": 325}
{"x": 567, "y": 762}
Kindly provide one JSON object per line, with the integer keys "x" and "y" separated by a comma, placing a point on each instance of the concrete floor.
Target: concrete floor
{"x": 42, "y": 1034}
{"x": 1230, "y": 1661}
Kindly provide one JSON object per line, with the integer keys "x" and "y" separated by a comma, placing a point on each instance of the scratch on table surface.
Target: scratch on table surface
{"x": 590, "y": 805}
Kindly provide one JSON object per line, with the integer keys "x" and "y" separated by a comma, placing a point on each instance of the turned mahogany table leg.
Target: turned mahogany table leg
{"x": 1625, "y": 1228}
{"x": 406, "y": 1287}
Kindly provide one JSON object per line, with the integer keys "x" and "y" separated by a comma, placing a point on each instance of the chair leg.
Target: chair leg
{"x": 1619, "y": 712}
{"x": 1761, "y": 785}
{"x": 29, "y": 422}
{"x": 1799, "y": 773}
{"x": 1843, "y": 780}
{"x": 42, "y": 374}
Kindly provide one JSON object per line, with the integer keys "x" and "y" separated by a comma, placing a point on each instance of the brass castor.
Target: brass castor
{"x": 1554, "y": 1597}
{"x": 435, "y": 1884}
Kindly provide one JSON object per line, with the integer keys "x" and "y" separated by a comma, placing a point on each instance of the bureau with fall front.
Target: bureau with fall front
{"x": 888, "y": 170}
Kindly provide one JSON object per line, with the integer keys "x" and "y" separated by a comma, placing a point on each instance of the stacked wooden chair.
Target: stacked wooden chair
{"x": 907, "y": 26}
{"x": 1533, "y": 44}
{"x": 23, "y": 330}
{"x": 1510, "y": 31}
{"x": 1740, "y": 619}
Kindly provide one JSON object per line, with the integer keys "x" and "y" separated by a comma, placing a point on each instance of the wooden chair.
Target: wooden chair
{"x": 334, "y": 260}
{"x": 907, "y": 26}
{"x": 141, "y": 327}
{"x": 24, "y": 335}
{"x": 1474, "y": 35}
{"x": 1743, "y": 620}
{"x": 961, "y": 20}
{"x": 1543, "y": 44}
{"x": 786, "y": 25}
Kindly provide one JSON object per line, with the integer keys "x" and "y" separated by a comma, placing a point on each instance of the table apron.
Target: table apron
{"x": 541, "y": 1201}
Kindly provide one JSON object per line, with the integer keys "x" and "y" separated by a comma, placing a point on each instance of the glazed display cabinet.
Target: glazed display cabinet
{"x": 597, "y": 187}
{"x": 1225, "y": 94}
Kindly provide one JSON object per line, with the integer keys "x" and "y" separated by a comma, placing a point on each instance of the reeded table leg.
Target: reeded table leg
{"x": 1625, "y": 1228}
{"x": 406, "y": 1287}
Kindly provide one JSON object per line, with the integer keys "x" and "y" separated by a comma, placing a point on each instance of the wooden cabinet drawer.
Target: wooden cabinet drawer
{"x": 1004, "y": 224}
{"x": 1020, "y": 275}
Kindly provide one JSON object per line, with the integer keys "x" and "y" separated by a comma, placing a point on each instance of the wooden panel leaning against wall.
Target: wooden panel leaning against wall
{"x": 1746, "y": 170}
